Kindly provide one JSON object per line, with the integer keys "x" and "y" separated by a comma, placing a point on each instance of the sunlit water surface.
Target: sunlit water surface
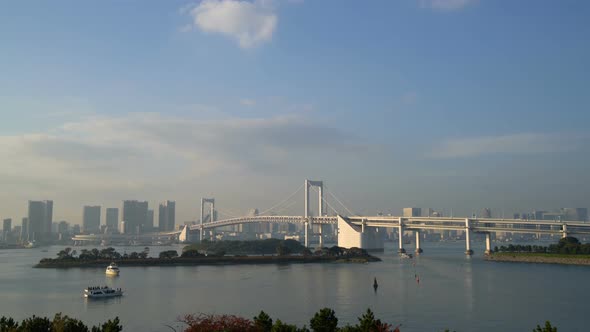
{"x": 453, "y": 292}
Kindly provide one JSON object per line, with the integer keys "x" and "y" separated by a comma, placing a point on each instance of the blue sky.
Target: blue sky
{"x": 459, "y": 104}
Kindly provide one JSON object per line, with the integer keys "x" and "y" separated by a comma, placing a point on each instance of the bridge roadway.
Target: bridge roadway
{"x": 482, "y": 225}
{"x": 417, "y": 224}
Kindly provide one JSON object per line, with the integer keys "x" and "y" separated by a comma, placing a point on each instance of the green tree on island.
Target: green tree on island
{"x": 546, "y": 328}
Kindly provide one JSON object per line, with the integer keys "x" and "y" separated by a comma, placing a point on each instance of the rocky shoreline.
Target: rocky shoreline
{"x": 538, "y": 258}
{"x": 192, "y": 261}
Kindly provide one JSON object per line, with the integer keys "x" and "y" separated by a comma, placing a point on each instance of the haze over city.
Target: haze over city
{"x": 449, "y": 104}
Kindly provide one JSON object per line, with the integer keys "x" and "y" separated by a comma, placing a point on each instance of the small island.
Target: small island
{"x": 567, "y": 251}
{"x": 270, "y": 251}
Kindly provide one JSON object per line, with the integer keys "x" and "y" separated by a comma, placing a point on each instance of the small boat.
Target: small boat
{"x": 375, "y": 284}
{"x": 102, "y": 292}
{"x": 30, "y": 245}
{"x": 112, "y": 270}
{"x": 404, "y": 255}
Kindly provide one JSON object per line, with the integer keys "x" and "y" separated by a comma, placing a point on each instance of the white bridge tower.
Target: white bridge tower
{"x": 211, "y": 201}
{"x": 308, "y": 223}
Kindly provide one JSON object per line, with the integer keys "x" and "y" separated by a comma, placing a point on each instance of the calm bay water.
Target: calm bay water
{"x": 454, "y": 292}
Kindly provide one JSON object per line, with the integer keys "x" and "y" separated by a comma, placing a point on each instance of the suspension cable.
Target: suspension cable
{"x": 282, "y": 202}
{"x": 336, "y": 198}
{"x": 325, "y": 201}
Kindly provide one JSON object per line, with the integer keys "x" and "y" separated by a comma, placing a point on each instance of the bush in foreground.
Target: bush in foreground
{"x": 58, "y": 324}
{"x": 324, "y": 320}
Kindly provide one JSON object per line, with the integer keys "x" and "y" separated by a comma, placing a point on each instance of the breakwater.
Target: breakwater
{"x": 188, "y": 261}
{"x": 539, "y": 258}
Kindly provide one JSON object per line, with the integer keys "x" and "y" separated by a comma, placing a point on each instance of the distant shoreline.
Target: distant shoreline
{"x": 525, "y": 257}
{"x": 193, "y": 261}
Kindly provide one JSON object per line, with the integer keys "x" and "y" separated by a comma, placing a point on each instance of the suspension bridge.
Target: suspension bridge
{"x": 365, "y": 232}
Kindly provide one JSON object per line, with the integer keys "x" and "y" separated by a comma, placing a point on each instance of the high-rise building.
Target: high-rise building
{"x": 6, "y": 228}
{"x": 575, "y": 214}
{"x": 40, "y": 220}
{"x": 63, "y": 227}
{"x": 166, "y": 216}
{"x": 91, "y": 219}
{"x": 412, "y": 212}
{"x": 149, "y": 224}
{"x": 24, "y": 230}
{"x": 112, "y": 219}
{"x": 135, "y": 215}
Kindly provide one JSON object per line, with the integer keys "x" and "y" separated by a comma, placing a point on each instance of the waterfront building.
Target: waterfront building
{"x": 6, "y": 228}
{"x": 112, "y": 219}
{"x": 135, "y": 214}
{"x": 575, "y": 214}
{"x": 76, "y": 229}
{"x": 412, "y": 212}
{"x": 91, "y": 219}
{"x": 149, "y": 224}
{"x": 24, "y": 230}
{"x": 63, "y": 227}
{"x": 167, "y": 216}
{"x": 40, "y": 220}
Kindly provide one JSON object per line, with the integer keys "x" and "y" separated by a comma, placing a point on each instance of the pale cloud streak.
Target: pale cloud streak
{"x": 249, "y": 23}
{"x": 135, "y": 149}
{"x": 445, "y": 5}
{"x": 516, "y": 144}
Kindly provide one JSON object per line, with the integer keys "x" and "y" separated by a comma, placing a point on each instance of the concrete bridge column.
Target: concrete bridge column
{"x": 468, "y": 250}
{"x": 564, "y": 230}
{"x": 321, "y": 238}
{"x": 401, "y": 236}
{"x": 488, "y": 244}
{"x": 306, "y": 239}
{"x": 418, "y": 248}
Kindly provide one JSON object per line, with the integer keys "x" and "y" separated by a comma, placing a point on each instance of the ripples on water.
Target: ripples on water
{"x": 454, "y": 292}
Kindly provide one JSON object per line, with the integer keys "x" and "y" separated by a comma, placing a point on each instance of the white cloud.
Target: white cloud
{"x": 250, "y": 23}
{"x": 525, "y": 143}
{"x": 445, "y": 5}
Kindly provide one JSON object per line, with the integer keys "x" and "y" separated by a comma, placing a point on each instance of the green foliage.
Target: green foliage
{"x": 66, "y": 324}
{"x": 263, "y": 322}
{"x": 35, "y": 324}
{"x": 110, "y": 326}
{"x": 282, "y": 250}
{"x": 8, "y": 324}
{"x": 60, "y": 323}
{"x": 546, "y": 328}
{"x": 566, "y": 246}
{"x": 168, "y": 254}
{"x": 261, "y": 247}
{"x": 282, "y": 327}
{"x": 191, "y": 253}
{"x": 324, "y": 321}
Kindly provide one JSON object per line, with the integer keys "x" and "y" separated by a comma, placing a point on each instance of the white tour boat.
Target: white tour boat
{"x": 101, "y": 292}
{"x": 112, "y": 270}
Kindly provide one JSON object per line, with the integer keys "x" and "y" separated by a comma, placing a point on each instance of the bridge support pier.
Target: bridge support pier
{"x": 488, "y": 244}
{"x": 401, "y": 249}
{"x": 321, "y": 238}
{"x": 564, "y": 230}
{"x": 306, "y": 233}
{"x": 418, "y": 248}
{"x": 468, "y": 250}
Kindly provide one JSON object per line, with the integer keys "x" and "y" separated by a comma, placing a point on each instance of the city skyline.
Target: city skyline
{"x": 448, "y": 104}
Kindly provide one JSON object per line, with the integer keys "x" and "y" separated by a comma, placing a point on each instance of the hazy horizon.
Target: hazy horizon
{"x": 448, "y": 104}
